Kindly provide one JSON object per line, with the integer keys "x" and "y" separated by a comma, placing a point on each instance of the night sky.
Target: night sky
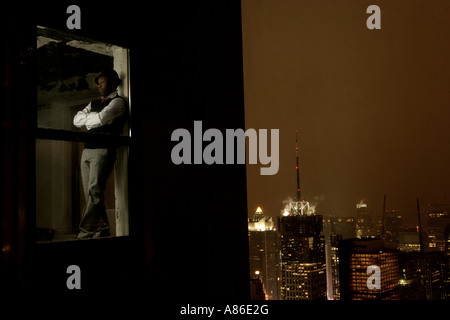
{"x": 372, "y": 106}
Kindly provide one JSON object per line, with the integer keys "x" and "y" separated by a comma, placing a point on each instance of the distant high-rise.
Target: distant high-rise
{"x": 264, "y": 252}
{"x": 336, "y": 229}
{"x": 303, "y": 274}
{"x": 393, "y": 225}
{"x": 438, "y": 220}
{"x": 408, "y": 241}
{"x": 355, "y": 257}
{"x": 424, "y": 275}
{"x": 364, "y": 224}
{"x": 430, "y": 265}
{"x": 344, "y": 226}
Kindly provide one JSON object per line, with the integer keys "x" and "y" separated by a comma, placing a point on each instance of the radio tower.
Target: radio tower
{"x": 297, "y": 168}
{"x": 298, "y": 206}
{"x": 383, "y": 226}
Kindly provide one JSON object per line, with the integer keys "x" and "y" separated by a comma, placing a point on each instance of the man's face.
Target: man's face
{"x": 105, "y": 86}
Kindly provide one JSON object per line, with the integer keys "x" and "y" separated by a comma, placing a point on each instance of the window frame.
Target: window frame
{"x": 77, "y": 136}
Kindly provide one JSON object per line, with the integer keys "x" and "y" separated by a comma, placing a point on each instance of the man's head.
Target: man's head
{"x": 107, "y": 82}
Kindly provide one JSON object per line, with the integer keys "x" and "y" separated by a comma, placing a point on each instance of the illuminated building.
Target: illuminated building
{"x": 264, "y": 252}
{"x": 355, "y": 257}
{"x": 447, "y": 240}
{"x": 445, "y": 288}
{"x": 302, "y": 258}
{"x": 303, "y": 273}
{"x": 332, "y": 266}
{"x": 408, "y": 241}
{"x": 259, "y": 222}
{"x": 438, "y": 220}
{"x": 393, "y": 225}
{"x": 344, "y": 226}
{"x": 424, "y": 276}
{"x": 409, "y": 282}
{"x": 364, "y": 223}
{"x": 445, "y": 294}
{"x": 336, "y": 229}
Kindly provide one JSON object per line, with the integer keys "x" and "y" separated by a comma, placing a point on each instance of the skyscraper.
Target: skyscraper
{"x": 302, "y": 244}
{"x": 264, "y": 252}
{"x": 424, "y": 276}
{"x": 391, "y": 228}
{"x": 356, "y": 258}
{"x": 344, "y": 226}
{"x": 438, "y": 220}
{"x": 408, "y": 241}
{"x": 302, "y": 258}
{"x": 364, "y": 224}
{"x": 336, "y": 229}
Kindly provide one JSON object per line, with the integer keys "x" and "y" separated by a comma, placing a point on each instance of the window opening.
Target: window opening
{"x": 69, "y": 69}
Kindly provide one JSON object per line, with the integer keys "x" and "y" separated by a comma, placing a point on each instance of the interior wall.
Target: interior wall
{"x": 121, "y": 66}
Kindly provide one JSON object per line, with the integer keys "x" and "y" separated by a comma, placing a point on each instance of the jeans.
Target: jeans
{"x": 96, "y": 166}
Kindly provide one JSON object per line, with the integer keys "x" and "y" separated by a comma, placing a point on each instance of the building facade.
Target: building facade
{"x": 303, "y": 272}
{"x": 392, "y": 227}
{"x": 357, "y": 260}
{"x": 438, "y": 219}
{"x": 336, "y": 229}
{"x": 264, "y": 253}
{"x": 364, "y": 223}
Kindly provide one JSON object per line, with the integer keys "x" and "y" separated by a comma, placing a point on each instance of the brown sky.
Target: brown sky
{"x": 372, "y": 106}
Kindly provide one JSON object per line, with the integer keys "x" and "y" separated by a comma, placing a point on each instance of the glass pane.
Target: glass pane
{"x": 61, "y": 198}
{"x": 68, "y": 67}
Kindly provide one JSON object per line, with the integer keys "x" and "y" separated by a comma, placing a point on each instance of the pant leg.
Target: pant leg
{"x": 105, "y": 171}
{"x": 100, "y": 163}
{"x": 85, "y": 169}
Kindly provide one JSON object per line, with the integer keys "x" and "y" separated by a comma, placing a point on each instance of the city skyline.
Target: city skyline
{"x": 412, "y": 265}
{"x": 370, "y": 106}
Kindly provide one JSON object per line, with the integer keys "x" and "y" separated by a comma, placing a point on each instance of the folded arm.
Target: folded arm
{"x": 108, "y": 114}
{"x": 80, "y": 118}
{"x": 112, "y": 111}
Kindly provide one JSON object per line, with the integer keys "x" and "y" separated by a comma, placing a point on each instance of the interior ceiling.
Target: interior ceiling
{"x": 47, "y": 35}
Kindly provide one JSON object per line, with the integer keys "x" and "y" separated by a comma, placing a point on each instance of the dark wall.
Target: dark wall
{"x": 345, "y": 248}
{"x": 188, "y": 223}
{"x": 197, "y": 213}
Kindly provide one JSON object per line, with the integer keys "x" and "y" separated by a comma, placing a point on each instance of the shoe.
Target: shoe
{"x": 103, "y": 232}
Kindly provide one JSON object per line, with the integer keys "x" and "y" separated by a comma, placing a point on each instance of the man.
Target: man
{"x": 104, "y": 116}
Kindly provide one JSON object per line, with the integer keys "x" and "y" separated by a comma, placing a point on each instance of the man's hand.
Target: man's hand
{"x": 80, "y": 119}
{"x": 92, "y": 120}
